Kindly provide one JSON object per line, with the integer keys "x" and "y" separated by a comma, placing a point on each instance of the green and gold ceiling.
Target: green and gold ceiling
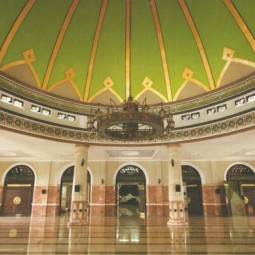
{"x": 94, "y": 50}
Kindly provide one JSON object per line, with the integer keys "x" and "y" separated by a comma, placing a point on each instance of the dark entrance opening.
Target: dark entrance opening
{"x": 67, "y": 188}
{"x": 131, "y": 191}
{"x": 240, "y": 190}
{"x": 192, "y": 181}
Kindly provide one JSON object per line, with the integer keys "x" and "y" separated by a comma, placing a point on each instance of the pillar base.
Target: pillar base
{"x": 177, "y": 215}
{"x": 177, "y": 222}
{"x": 78, "y": 216}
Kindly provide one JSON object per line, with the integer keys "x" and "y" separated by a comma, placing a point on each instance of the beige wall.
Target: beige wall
{"x": 50, "y": 172}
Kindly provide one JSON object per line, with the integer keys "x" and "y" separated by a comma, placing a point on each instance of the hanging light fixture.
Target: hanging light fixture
{"x": 130, "y": 121}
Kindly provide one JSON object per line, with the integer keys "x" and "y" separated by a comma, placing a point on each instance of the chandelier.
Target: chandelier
{"x": 130, "y": 121}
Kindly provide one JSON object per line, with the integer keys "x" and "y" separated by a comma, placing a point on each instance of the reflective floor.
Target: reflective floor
{"x": 127, "y": 235}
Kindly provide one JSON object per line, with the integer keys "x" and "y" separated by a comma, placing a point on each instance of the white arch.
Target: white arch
{"x": 237, "y": 163}
{"x": 63, "y": 168}
{"x": 134, "y": 164}
{"x": 17, "y": 164}
{"x": 201, "y": 173}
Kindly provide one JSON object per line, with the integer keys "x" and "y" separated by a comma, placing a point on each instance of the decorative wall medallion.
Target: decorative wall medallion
{"x": 9, "y": 120}
{"x": 17, "y": 122}
{"x": 231, "y": 123}
{"x": 34, "y": 126}
{"x": 13, "y": 232}
{"x": 240, "y": 121}
{"x": 17, "y": 200}
{"x": 249, "y": 118}
{"x": 215, "y": 128}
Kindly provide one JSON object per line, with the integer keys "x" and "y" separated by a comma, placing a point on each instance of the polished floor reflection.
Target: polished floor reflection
{"x": 127, "y": 235}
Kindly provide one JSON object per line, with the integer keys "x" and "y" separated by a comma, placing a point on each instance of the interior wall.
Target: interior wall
{"x": 103, "y": 173}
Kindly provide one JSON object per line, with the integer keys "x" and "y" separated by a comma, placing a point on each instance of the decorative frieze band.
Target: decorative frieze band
{"x": 216, "y": 128}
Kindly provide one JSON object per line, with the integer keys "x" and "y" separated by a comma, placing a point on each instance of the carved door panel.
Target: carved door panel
{"x": 17, "y": 200}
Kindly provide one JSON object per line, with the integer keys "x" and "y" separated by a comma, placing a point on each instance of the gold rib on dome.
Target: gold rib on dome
{"x": 59, "y": 42}
{"x": 240, "y": 23}
{"x": 162, "y": 48}
{"x": 15, "y": 28}
{"x": 94, "y": 49}
{"x": 128, "y": 50}
{"x": 199, "y": 42}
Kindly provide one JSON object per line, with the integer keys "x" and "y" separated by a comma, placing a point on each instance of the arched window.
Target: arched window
{"x": 240, "y": 172}
{"x": 18, "y": 191}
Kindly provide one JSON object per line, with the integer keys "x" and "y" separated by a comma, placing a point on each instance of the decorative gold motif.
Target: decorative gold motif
{"x": 13, "y": 232}
{"x": 147, "y": 83}
{"x": 228, "y": 54}
{"x": 108, "y": 82}
{"x": 17, "y": 200}
{"x": 246, "y": 200}
{"x": 29, "y": 55}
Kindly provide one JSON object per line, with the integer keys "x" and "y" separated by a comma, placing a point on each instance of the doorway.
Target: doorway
{"x": 240, "y": 191}
{"x": 192, "y": 181}
{"x": 67, "y": 188}
{"x": 131, "y": 191}
{"x": 18, "y": 191}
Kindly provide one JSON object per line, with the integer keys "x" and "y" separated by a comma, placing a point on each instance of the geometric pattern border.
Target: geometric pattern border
{"x": 69, "y": 134}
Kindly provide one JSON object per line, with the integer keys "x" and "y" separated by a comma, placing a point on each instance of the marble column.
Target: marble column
{"x": 78, "y": 215}
{"x": 175, "y": 189}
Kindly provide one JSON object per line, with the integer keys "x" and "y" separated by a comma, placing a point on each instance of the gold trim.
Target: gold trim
{"x": 17, "y": 200}
{"x": 192, "y": 185}
{"x": 59, "y": 42}
{"x": 162, "y": 48}
{"x": 16, "y": 63}
{"x": 149, "y": 88}
{"x": 104, "y": 90}
{"x": 19, "y": 185}
{"x": 70, "y": 74}
{"x": 108, "y": 82}
{"x": 188, "y": 75}
{"x": 199, "y": 42}
{"x": 248, "y": 185}
{"x": 128, "y": 50}
{"x": 30, "y": 57}
{"x": 228, "y": 55}
{"x": 94, "y": 49}
{"x": 27, "y": 60}
{"x": 240, "y": 23}
{"x": 15, "y": 28}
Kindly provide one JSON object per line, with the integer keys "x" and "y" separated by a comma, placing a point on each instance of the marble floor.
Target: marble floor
{"x": 127, "y": 235}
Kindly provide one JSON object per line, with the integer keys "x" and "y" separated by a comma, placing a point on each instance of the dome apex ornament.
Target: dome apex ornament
{"x": 130, "y": 121}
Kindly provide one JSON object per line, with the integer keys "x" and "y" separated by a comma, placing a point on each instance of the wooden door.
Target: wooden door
{"x": 17, "y": 199}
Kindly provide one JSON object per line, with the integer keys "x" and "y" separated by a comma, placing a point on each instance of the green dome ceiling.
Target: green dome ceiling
{"x": 93, "y": 50}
